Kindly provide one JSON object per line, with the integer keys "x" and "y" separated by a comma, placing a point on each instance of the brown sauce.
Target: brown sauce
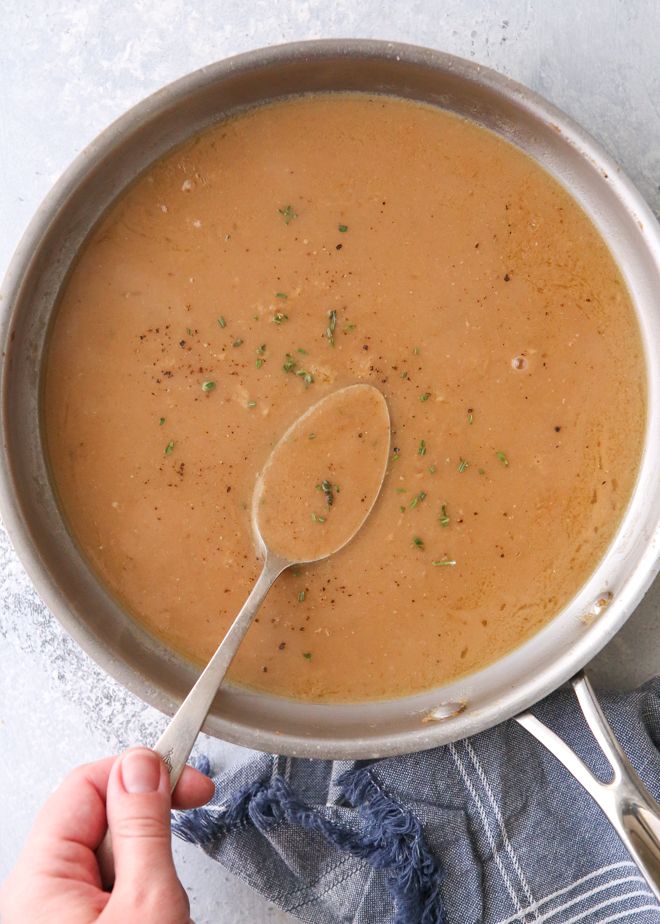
{"x": 309, "y": 245}
{"x": 323, "y": 477}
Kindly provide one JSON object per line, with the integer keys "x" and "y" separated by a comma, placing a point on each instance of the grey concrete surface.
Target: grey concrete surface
{"x": 67, "y": 68}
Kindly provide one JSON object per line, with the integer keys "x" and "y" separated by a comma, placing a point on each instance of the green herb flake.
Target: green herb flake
{"x": 300, "y": 350}
{"x": 417, "y": 542}
{"x": 289, "y": 363}
{"x": 189, "y": 331}
{"x": 402, "y": 509}
{"x": 261, "y": 349}
{"x": 416, "y": 351}
{"x": 258, "y": 363}
{"x": 161, "y": 421}
{"x": 307, "y": 655}
{"x": 470, "y": 416}
{"x": 503, "y": 459}
{"x": 169, "y": 448}
{"x": 281, "y": 295}
{"x": 395, "y": 455}
{"x": 425, "y": 396}
{"x": 251, "y": 404}
{"x": 421, "y": 449}
{"x": 443, "y": 519}
{"x": 463, "y": 464}
{"x": 330, "y": 329}
{"x": 401, "y": 490}
{"x": 238, "y": 342}
{"x": 328, "y": 491}
{"x": 318, "y": 519}
{"x": 417, "y": 499}
{"x": 280, "y": 318}
{"x": 311, "y": 436}
{"x": 447, "y": 562}
{"x": 433, "y": 469}
{"x": 307, "y": 377}
{"x": 404, "y": 375}
{"x": 343, "y": 228}
{"x": 222, "y": 322}
{"x": 301, "y": 596}
{"x": 349, "y": 328}
{"x": 288, "y": 214}
{"x": 208, "y": 386}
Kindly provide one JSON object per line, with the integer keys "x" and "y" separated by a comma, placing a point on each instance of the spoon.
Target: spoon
{"x": 313, "y": 495}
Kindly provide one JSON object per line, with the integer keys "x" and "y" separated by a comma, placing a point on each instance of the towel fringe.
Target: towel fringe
{"x": 390, "y": 837}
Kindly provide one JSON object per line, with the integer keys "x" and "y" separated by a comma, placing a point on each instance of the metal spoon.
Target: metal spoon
{"x": 176, "y": 743}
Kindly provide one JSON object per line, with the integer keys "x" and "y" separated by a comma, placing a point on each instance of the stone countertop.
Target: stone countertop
{"x": 67, "y": 69}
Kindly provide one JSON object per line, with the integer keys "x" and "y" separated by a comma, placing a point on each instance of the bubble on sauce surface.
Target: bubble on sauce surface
{"x": 519, "y": 363}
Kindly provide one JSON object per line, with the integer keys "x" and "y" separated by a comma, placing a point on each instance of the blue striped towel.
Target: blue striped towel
{"x": 489, "y": 830}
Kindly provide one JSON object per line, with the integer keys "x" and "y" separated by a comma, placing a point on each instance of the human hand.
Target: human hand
{"x": 56, "y": 879}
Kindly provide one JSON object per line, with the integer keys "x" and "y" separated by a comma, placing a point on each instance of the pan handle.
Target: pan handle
{"x": 629, "y": 807}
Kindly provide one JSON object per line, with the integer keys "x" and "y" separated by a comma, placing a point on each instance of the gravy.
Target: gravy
{"x": 312, "y": 244}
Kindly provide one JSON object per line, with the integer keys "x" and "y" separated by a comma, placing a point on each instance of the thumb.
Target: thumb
{"x": 138, "y": 809}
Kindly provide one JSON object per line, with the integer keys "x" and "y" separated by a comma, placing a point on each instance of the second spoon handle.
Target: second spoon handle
{"x": 176, "y": 742}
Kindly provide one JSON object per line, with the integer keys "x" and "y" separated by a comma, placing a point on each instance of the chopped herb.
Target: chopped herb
{"x": 444, "y": 563}
{"x": 402, "y": 509}
{"x": 208, "y": 386}
{"x": 161, "y": 421}
{"x": 307, "y": 655}
{"x": 416, "y": 351}
{"x": 288, "y": 214}
{"x": 327, "y": 489}
{"x": 222, "y": 322}
{"x": 279, "y": 318}
{"x": 169, "y": 448}
{"x": 421, "y": 449}
{"x": 300, "y": 350}
{"x": 463, "y": 464}
{"x": 470, "y": 416}
{"x": 238, "y": 342}
{"x": 404, "y": 375}
{"x": 281, "y": 295}
{"x": 312, "y": 436}
{"x": 258, "y": 363}
{"x": 443, "y": 519}
{"x": 417, "y": 499}
{"x": 433, "y": 469}
{"x": 349, "y": 328}
{"x": 343, "y": 228}
{"x": 261, "y": 349}
{"x": 189, "y": 331}
{"x": 503, "y": 459}
{"x": 301, "y": 596}
{"x": 401, "y": 490}
{"x": 317, "y": 518}
{"x": 289, "y": 363}
{"x": 395, "y": 455}
{"x": 425, "y": 396}
{"x": 307, "y": 377}
{"x": 330, "y": 329}
{"x": 417, "y": 542}
{"x": 251, "y": 404}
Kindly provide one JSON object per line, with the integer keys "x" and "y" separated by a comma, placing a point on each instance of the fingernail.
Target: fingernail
{"x": 140, "y": 771}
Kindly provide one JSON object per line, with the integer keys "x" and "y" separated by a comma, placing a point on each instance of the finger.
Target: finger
{"x": 138, "y": 808}
{"x": 76, "y": 810}
{"x": 192, "y": 790}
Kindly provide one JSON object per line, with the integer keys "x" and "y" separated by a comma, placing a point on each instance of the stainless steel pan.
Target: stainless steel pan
{"x": 29, "y": 507}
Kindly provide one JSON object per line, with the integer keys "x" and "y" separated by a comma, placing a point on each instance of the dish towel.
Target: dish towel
{"x": 489, "y": 830}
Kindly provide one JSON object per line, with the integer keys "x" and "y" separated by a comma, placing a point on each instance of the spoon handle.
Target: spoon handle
{"x": 176, "y": 742}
